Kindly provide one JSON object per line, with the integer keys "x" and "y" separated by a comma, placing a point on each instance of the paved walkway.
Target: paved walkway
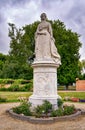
{"x": 9, "y": 123}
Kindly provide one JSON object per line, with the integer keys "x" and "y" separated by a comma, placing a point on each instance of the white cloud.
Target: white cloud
{"x": 22, "y": 12}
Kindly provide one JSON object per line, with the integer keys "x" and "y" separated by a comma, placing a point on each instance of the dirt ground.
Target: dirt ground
{"x": 9, "y": 123}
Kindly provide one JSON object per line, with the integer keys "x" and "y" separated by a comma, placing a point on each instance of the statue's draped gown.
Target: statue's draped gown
{"x": 45, "y": 48}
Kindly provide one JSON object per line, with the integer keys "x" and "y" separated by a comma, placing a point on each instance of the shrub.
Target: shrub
{"x": 38, "y": 111}
{"x": 3, "y": 89}
{"x": 58, "y": 112}
{"x": 28, "y": 87}
{"x": 69, "y": 110}
{"x": 13, "y": 87}
{"x": 45, "y": 108}
{"x": 24, "y": 108}
{"x": 3, "y": 99}
{"x": 6, "y": 81}
{"x": 59, "y": 102}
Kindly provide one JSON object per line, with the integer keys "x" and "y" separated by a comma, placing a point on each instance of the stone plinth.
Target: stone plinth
{"x": 45, "y": 83}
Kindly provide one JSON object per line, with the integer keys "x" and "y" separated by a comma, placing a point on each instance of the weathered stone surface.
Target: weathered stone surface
{"x": 45, "y": 65}
{"x": 45, "y": 83}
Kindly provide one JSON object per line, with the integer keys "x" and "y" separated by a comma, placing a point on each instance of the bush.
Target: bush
{"x": 6, "y": 81}
{"x": 3, "y": 89}
{"x": 45, "y": 108}
{"x": 38, "y": 111}
{"x": 13, "y": 87}
{"x": 69, "y": 110}
{"x": 3, "y": 99}
{"x": 28, "y": 87}
{"x": 58, "y": 112}
{"x": 59, "y": 102}
{"x": 24, "y": 108}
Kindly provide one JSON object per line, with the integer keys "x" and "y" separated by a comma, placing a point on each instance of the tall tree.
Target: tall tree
{"x": 68, "y": 46}
{"x": 67, "y": 42}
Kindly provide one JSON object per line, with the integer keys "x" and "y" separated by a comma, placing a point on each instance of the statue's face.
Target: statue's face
{"x": 43, "y": 16}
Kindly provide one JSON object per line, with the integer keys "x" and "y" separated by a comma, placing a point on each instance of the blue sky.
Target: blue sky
{"x": 22, "y": 12}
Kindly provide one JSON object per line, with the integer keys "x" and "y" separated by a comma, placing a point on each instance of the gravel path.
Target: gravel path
{"x": 9, "y": 123}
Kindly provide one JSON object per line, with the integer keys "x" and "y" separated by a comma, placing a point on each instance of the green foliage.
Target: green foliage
{"x": 45, "y": 108}
{"x": 39, "y": 111}
{"x": 60, "y": 102}
{"x": 3, "y": 99}
{"x": 16, "y": 85}
{"x": 28, "y": 87}
{"x": 3, "y": 58}
{"x": 24, "y": 108}
{"x": 66, "y": 110}
{"x": 6, "y": 81}
{"x": 13, "y": 88}
{"x": 69, "y": 110}
{"x": 22, "y": 46}
{"x": 10, "y": 81}
{"x": 58, "y": 112}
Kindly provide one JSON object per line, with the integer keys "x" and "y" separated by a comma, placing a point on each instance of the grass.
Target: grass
{"x": 13, "y": 96}
{"x": 64, "y": 94}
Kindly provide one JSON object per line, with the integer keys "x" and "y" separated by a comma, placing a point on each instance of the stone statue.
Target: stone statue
{"x": 45, "y": 48}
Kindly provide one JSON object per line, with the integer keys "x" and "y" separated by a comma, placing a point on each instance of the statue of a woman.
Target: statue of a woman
{"x": 45, "y": 48}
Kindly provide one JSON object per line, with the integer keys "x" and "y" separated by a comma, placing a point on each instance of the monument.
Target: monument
{"x": 45, "y": 65}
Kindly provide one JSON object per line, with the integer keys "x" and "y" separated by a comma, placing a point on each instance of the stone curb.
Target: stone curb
{"x": 45, "y": 120}
{"x": 83, "y": 112}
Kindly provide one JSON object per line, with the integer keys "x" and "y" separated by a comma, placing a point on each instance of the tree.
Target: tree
{"x": 22, "y": 47}
{"x": 3, "y": 58}
{"x": 82, "y": 69}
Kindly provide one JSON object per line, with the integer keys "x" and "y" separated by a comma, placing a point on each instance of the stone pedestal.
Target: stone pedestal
{"x": 44, "y": 83}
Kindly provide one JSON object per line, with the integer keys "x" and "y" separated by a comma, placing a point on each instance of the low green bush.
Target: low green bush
{"x": 38, "y": 111}
{"x": 27, "y": 87}
{"x": 44, "y": 110}
{"x": 58, "y": 112}
{"x": 10, "y": 81}
{"x": 3, "y": 89}
{"x": 24, "y": 108}
{"x": 59, "y": 102}
{"x": 3, "y": 99}
{"x": 17, "y": 85}
{"x": 6, "y": 81}
{"x": 13, "y": 88}
{"x": 69, "y": 110}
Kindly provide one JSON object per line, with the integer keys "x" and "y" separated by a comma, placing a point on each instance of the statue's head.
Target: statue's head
{"x": 43, "y": 16}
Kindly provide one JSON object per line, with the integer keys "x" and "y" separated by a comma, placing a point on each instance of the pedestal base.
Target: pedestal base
{"x": 44, "y": 83}
{"x": 39, "y": 100}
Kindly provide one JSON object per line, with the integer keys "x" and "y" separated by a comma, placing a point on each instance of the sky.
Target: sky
{"x": 23, "y": 12}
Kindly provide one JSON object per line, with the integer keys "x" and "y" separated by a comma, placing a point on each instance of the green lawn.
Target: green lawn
{"x": 80, "y": 95}
{"x": 13, "y": 96}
